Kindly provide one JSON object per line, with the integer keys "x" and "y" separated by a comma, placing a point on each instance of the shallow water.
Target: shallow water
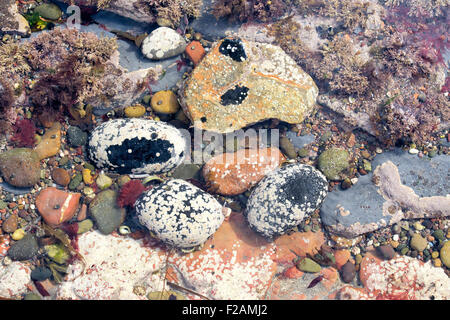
{"x": 372, "y": 83}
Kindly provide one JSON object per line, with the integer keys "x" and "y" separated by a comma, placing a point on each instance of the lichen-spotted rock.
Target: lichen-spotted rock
{"x": 136, "y": 146}
{"x": 284, "y": 197}
{"x": 179, "y": 214}
{"x": 239, "y": 83}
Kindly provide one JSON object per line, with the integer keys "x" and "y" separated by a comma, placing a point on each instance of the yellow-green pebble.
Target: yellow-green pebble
{"x": 18, "y": 234}
{"x": 165, "y": 102}
{"x": 434, "y": 254}
{"x": 358, "y": 258}
{"x": 444, "y": 254}
{"x": 437, "y": 262}
{"x": 87, "y": 176}
{"x": 135, "y": 111}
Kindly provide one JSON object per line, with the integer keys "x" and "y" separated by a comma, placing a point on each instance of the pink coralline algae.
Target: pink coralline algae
{"x": 402, "y": 278}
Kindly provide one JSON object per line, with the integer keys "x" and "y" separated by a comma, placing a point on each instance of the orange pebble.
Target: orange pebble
{"x": 195, "y": 52}
{"x": 292, "y": 273}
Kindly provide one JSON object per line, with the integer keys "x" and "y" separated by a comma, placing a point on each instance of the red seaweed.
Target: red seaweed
{"x": 24, "y": 131}
{"x": 315, "y": 281}
{"x": 41, "y": 289}
{"x": 129, "y": 193}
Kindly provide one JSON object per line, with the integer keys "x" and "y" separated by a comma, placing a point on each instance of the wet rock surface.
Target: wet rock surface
{"x": 365, "y": 207}
{"x": 396, "y": 207}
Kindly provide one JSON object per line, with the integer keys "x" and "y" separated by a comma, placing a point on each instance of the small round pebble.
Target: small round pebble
{"x": 445, "y": 254}
{"x": 41, "y": 273}
{"x": 61, "y": 176}
{"x": 386, "y": 252}
{"x": 418, "y": 242}
{"x": 18, "y": 234}
{"x": 165, "y": 102}
{"x": 348, "y": 272}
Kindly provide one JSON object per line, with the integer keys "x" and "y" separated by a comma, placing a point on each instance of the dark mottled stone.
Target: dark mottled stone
{"x": 284, "y": 197}
{"x": 41, "y": 273}
{"x": 24, "y": 249}
{"x": 76, "y": 137}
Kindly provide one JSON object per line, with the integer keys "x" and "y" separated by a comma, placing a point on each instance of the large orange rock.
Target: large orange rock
{"x": 235, "y": 173}
{"x": 241, "y": 82}
{"x": 57, "y": 206}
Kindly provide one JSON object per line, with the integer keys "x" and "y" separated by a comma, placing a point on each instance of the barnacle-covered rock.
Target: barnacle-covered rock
{"x": 179, "y": 214}
{"x": 240, "y": 82}
{"x": 163, "y": 43}
{"x": 136, "y": 146}
{"x": 284, "y": 197}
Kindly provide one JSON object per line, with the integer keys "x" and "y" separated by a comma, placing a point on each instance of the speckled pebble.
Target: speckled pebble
{"x": 136, "y": 146}
{"x": 24, "y": 249}
{"x": 179, "y": 214}
{"x": 163, "y": 43}
{"x": 284, "y": 197}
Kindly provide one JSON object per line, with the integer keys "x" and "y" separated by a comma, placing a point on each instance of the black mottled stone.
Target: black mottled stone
{"x": 76, "y": 136}
{"x": 234, "y": 96}
{"x": 136, "y": 146}
{"x": 234, "y": 49}
{"x": 41, "y": 273}
{"x": 143, "y": 152}
{"x": 24, "y": 249}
